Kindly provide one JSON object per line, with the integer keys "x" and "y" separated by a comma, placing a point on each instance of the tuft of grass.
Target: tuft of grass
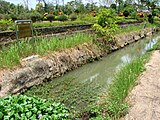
{"x": 123, "y": 83}
{"x": 11, "y": 55}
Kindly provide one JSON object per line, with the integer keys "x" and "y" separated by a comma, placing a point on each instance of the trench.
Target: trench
{"x": 83, "y": 87}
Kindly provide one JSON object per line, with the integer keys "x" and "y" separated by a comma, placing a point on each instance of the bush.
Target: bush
{"x": 106, "y": 23}
{"x": 22, "y": 108}
{"x": 13, "y": 17}
{"x": 134, "y": 15}
{"x": 4, "y": 17}
{"x": 113, "y": 6}
{"x": 36, "y": 17}
{"x": 62, "y": 18}
{"x": 126, "y": 13}
{"x": 73, "y": 17}
{"x": 150, "y": 18}
{"x": 50, "y": 17}
{"x": 24, "y": 16}
{"x": 5, "y": 24}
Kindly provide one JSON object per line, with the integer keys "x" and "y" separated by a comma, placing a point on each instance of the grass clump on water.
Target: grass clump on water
{"x": 11, "y": 55}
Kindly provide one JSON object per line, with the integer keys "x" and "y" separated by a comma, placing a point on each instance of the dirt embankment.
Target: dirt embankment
{"x": 145, "y": 97}
{"x": 35, "y": 70}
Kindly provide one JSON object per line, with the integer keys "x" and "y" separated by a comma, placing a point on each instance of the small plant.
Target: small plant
{"x": 62, "y": 18}
{"x": 150, "y": 18}
{"x": 5, "y": 24}
{"x": 22, "y": 108}
{"x": 13, "y": 16}
{"x": 106, "y": 23}
{"x": 36, "y": 16}
{"x": 73, "y": 17}
{"x": 24, "y": 16}
{"x": 50, "y": 17}
{"x": 126, "y": 13}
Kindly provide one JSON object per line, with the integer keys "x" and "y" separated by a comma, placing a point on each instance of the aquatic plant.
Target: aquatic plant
{"x": 22, "y": 107}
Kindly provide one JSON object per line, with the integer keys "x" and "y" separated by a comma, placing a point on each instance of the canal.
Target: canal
{"x": 81, "y": 88}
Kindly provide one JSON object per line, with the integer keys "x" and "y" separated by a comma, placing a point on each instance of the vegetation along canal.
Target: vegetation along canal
{"x": 82, "y": 87}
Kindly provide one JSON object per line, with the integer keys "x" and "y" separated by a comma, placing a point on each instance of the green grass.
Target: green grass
{"x": 124, "y": 81}
{"x": 56, "y": 23}
{"x": 113, "y": 104}
{"x": 11, "y": 55}
{"x": 131, "y": 28}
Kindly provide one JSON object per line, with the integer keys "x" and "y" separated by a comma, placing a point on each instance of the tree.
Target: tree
{"x": 45, "y": 4}
{"x": 119, "y": 3}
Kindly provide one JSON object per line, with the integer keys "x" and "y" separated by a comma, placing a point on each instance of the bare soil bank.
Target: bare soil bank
{"x": 35, "y": 70}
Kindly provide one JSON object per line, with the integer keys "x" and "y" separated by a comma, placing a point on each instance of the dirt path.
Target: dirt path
{"x": 145, "y": 97}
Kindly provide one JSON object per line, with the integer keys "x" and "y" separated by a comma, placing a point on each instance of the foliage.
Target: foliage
{"x": 11, "y": 55}
{"x": 35, "y": 16}
{"x": 88, "y": 17}
{"x": 62, "y": 18}
{"x": 50, "y": 17}
{"x": 4, "y": 17}
{"x": 150, "y": 18}
{"x": 22, "y": 107}
{"x": 123, "y": 82}
{"x": 106, "y": 23}
{"x": 23, "y": 16}
{"x": 134, "y": 15}
{"x": 13, "y": 16}
{"x": 53, "y": 24}
{"x": 73, "y": 17}
{"x": 5, "y": 24}
{"x": 113, "y": 6}
{"x": 126, "y": 13}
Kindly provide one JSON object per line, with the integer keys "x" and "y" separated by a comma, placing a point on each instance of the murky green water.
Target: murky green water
{"x": 82, "y": 87}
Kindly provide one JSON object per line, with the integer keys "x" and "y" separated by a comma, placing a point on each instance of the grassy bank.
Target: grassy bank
{"x": 131, "y": 28}
{"x": 11, "y": 55}
{"x": 113, "y": 105}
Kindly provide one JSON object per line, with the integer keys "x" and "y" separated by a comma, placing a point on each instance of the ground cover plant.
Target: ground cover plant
{"x": 21, "y": 107}
{"x": 11, "y": 55}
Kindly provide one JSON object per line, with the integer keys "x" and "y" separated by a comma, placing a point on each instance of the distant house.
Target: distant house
{"x": 145, "y": 11}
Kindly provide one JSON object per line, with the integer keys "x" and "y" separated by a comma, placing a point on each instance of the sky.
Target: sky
{"x": 32, "y": 3}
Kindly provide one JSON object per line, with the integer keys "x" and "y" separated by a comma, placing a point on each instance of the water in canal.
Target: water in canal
{"x": 82, "y": 87}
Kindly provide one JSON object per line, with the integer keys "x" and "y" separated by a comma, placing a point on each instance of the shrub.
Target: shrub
{"x": 73, "y": 17}
{"x": 50, "y": 17}
{"x": 24, "y": 16}
{"x": 5, "y": 24}
{"x": 150, "y": 18}
{"x": 126, "y": 13}
{"x": 13, "y": 17}
{"x": 22, "y": 108}
{"x": 1, "y": 16}
{"x": 106, "y": 23}
{"x": 36, "y": 16}
{"x": 113, "y": 6}
{"x": 62, "y": 18}
{"x": 134, "y": 15}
